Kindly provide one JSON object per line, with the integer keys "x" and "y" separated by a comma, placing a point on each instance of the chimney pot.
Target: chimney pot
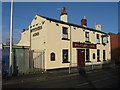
{"x": 84, "y": 17}
{"x": 63, "y": 15}
{"x": 84, "y": 21}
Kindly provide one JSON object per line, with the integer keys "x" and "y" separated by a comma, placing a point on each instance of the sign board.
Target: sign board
{"x": 83, "y": 45}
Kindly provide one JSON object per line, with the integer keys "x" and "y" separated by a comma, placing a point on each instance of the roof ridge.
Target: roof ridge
{"x": 56, "y": 20}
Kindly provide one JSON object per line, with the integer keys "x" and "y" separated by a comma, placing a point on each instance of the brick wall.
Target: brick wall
{"x": 115, "y": 47}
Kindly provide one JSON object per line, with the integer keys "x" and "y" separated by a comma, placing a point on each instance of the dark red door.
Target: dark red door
{"x": 81, "y": 57}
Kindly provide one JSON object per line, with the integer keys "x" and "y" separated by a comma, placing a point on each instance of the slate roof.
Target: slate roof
{"x": 71, "y": 24}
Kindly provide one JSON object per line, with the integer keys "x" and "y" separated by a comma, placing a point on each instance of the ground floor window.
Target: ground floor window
{"x": 52, "y": 55}
{"x": 104, "y": 55}
{"x": 98, "y": 55}
{"x": 65, "y": 55}
{"x": 93, "y": 55}
{"x": 87, "y": 55}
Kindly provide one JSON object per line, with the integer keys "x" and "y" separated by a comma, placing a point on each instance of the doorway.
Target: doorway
{"x": 81, "y": 57}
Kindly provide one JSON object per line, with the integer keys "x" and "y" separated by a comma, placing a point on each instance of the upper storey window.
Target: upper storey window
{"x": 87, "y": 36}
{"x": 65, "y": 33}
{"x": 104, "y": 39}
{"x": 98, "y": 38}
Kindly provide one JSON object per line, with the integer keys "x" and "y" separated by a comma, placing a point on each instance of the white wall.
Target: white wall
{"x": 56, "y": 44}
{"x": 50, "y": 40}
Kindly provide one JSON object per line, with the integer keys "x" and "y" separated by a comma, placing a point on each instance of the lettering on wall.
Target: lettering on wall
{"x": 36, "y": 29}
{"x": 36, "y": 34}
{"x": 83, "y": 45}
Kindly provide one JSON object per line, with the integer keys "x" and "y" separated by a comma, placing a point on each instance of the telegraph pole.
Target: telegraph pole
{"x": 11, "y": 37}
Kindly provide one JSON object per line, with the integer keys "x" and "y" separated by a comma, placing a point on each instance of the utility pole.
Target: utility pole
{"x": 11, "y": 24}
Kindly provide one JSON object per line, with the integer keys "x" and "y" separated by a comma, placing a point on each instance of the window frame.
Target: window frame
{"x": 87, "y": 37}
{"x": 98, "y": 55}
{"x": 98, "y": 38}
{"x": 104, "y": 42}
{"x": 88, "y": 55}
{"x": 67, "y": 56}
{"x": 65, "y": 33}
{"x": 104, "y": 55}
{"x": 93, "y": 55}
{"x": 52, "y": 56}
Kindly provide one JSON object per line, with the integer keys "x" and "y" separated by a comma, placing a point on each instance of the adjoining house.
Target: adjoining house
{"x": 115, "y": 47}
{"x": 65, "y": 43}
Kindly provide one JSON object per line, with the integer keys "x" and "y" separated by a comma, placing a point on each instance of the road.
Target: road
{"x": 108, "y": 78}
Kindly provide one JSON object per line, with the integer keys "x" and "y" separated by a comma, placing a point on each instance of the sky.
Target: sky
{"x": 104, "y": 13}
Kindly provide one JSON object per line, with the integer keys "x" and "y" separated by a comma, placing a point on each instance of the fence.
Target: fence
{"x": 20, "y": 60}
{"x": 74, "y": 68}
{"x": 24, "y": 60}
{"x": 37, "y": 61}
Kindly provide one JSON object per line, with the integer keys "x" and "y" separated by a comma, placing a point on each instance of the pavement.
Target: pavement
{"x": 60, "y": 75}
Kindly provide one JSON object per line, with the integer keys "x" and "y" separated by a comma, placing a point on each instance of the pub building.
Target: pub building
{"x": 65, "y": 43}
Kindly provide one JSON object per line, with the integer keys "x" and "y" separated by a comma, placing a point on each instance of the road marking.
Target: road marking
{"x": 100, "y": 80}
{"x": 82, "y": 84}
{"x": 92, "y": 82}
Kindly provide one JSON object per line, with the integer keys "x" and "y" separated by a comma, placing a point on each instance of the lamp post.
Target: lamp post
{"x": 11, "y": 24}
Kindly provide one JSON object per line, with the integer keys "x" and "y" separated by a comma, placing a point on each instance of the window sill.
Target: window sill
{"x": 88, "y": 61}
{"x": 52, "y": 60}
{"x": 65, "y": 39}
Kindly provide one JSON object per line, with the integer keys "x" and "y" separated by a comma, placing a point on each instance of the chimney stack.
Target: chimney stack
{"x": 23, "y": 30}
{"x": 84, "y": 21}
{"x": 63, "y": 15}
{"x": 98, "y": 27}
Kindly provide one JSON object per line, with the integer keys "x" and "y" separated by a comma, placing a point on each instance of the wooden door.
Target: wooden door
{"x": 81, "y": 57}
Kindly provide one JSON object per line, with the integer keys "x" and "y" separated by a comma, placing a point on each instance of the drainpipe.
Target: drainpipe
{"x": 70, "y": 49}
{"x": 31, "y": 67}
{"x": 30, "y": 36}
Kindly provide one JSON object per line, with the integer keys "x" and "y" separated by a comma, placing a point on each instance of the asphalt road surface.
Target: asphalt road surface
{"x": 108, "y": 78}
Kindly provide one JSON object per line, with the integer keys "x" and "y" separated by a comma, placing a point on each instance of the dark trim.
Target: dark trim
{"x": 15, "y": 46}
{"x": 98, "y": 43}
{"x": 52, "y": 56}
{"x": 64, "y": 68}
{"x": 98, "y": 60}
{"x": 87, "y": 41}
{"x": 59, "y": 21}
{"x": 104, "y": 35}
{"x": 66, "y": 62}
{"x": 63, "y": 14}
{"x": 104, "y": 44}
{"x": 87, "y": 61}
{"x": 57, "y": 24}
{"x": 65, "y": 39}
{"x": 104, "y": 60}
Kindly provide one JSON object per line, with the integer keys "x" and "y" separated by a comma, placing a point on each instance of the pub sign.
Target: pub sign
{"x": 83, "y": 45}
